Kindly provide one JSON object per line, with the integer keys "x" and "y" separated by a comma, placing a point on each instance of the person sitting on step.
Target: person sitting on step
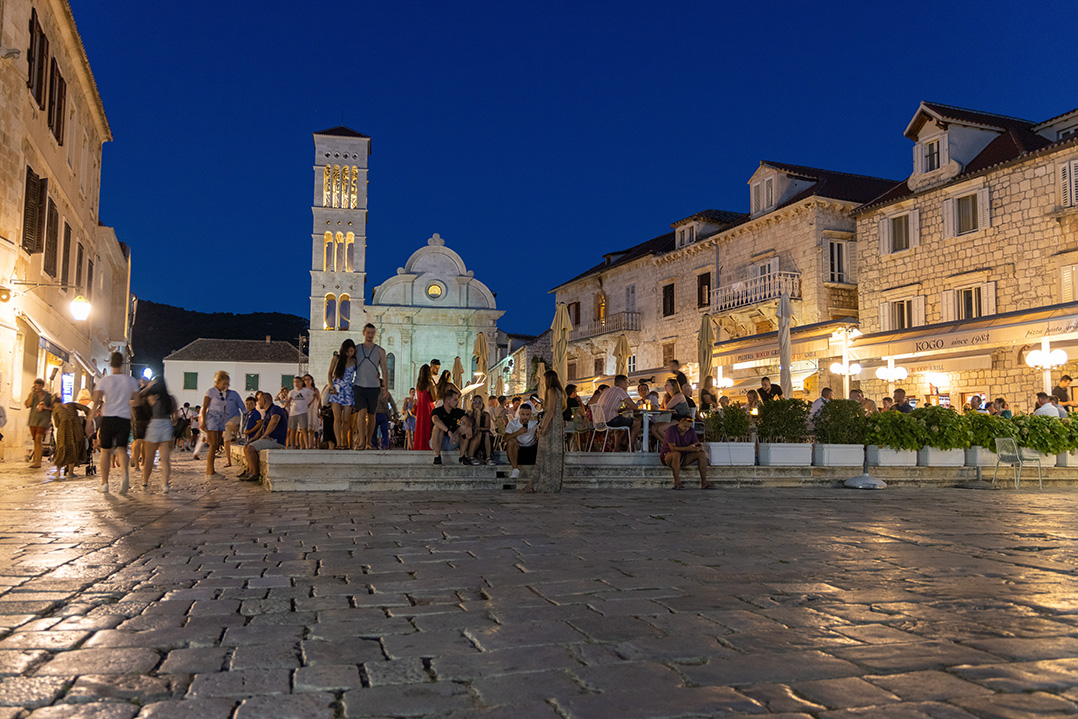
{"x": 449, "y": 430}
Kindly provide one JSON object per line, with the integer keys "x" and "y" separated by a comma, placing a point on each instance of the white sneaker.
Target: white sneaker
{"x": 515, "y": 474}
{"x": 103, "y": 487}
{"x": 125, "y": 485}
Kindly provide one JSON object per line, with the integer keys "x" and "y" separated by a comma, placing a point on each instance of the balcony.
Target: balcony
{"x": 617, "y": 322}
{"x": 757, "y": 291}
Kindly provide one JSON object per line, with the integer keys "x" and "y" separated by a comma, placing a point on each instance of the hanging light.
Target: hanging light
{"x": 839, "y": 368}
{"x": 1038, "y": 359}
{"x": 1057, "y": 357}
{"x": 80, "y": 308}
{"x": 888, "y": 374}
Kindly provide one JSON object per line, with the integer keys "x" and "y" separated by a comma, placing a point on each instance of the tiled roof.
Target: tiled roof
{"x": 832, "y": 184}
{"x": 655, "y": 246}
{"x": 975, "y": 117}
{"x": 217, "y": 350}
{"x": 342, "y": 131}
{"x": 717, "y": 217}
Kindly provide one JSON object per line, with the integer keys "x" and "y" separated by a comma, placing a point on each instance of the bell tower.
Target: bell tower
{"x": 339, "y": 242}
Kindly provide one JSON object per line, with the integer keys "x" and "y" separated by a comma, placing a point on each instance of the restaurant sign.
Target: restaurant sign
{"x": 984, "y": 337}
{"x": 813, "y": 349}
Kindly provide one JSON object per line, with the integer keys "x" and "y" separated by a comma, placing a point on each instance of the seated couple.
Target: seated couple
{"x": 454, "y": 429}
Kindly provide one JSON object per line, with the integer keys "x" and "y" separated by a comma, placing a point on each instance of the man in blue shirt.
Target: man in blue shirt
{"x": 272, "y": 435}
{"x": 681, "y": 447}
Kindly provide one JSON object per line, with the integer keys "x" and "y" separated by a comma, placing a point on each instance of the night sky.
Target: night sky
{"x": 534, "y": 137}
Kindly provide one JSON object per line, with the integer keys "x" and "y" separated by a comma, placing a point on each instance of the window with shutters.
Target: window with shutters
{"x": 703, "y": 289}
{"x": 668, "y": 300}
{"x": 89, "y": 279}
{"x": 79, "y": 256}
{"x": 599, "y": 365}
{"x": 686, "y": 235}
{"x": 631, "y": 364}
{"x": 286, "y": 381}
{"x": 65, "y": 257}
{"x": 1068, "y": 184}
{"x": 57, "y": 107}
{"x": 574, "y": 313}
{"x": 900, "y": 233}
{"x": 250, "y": 382}
{"x": 757, "y": 198}
{"x": 763, "y": 195}
{"x": 931, "y": 156}
{"x": 1070, "y": 283}
{"x": 902, "y": 313}
{"x": 190, "y": 380}
{"x": 966, "y": 214}
{"x": 570, "y": 369}
{"x": 34, "y": 210}
{"x": 52, "y": 240}
{"x": 37, "y": 58}
{"x": 967, "y": 303}
{"x": 668, "y": 353}
{"x": 630, "y": 298}
{"x": 839, "y": 268}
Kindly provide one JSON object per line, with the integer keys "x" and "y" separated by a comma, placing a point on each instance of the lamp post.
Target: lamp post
{"x": 1045, "y": 359}
{"x": 845, "y": 335}
{"x": 79, "y": 307}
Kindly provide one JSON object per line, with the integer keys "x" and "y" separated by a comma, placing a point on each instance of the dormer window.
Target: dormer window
{"x": 932, "y": 155}
{"x": 686, "y": 235}
{"x": 763, "y": 195}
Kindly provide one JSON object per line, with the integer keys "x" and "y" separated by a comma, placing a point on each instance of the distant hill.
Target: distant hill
{"x": 161, "y": 329}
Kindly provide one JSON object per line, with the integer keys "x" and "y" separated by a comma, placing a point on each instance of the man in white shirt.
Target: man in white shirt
{"x": 615, "y": 399}
{"x": 299, "y": 401}
{"x": 520, "y": 442}
{"x": 824, "y": 398}
{"x": 1045, "y": 408}
{"x": 118, "y": 392}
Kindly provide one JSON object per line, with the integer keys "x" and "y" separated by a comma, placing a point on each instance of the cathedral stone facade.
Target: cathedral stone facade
{"x": 433, "y": 308}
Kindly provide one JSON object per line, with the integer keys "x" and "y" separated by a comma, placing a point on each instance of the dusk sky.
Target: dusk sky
{"x": 534, "y": 137}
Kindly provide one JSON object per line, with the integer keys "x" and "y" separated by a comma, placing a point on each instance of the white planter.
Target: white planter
{"x": 887, "y": 457}
{"x": 932, "y": 457}
{"x": 980, "y": 457}
{"x": 781, "y": 454}
{"x": 838, "y": 455}
{"x": 1047, "y": 460}
{"x": 731, "y": 454}
{"x": 1067, "y": 459}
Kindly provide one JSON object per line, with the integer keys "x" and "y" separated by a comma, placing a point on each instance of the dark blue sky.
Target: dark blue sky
{"x": 533, "y": 137}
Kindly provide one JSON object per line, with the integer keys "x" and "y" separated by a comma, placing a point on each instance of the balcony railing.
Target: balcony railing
{"x": 757, "y": 290}
{"x": 617, "y": 322}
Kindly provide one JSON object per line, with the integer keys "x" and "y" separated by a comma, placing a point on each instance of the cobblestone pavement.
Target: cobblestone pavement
{"x": 220, "y": 600}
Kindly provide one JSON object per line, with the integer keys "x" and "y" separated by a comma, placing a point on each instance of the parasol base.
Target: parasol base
{"x": 865, "y": 482}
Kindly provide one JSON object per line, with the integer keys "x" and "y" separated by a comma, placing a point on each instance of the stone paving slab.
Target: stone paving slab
{"x": 222, "y": 601}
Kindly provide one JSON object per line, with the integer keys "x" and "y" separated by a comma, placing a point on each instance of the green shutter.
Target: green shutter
{"x": 190, "y": 380}
{"x": 251, "y": 383}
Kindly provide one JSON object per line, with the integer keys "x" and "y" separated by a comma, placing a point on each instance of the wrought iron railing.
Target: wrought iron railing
{"x": 756, "y": 290}
{"x": 617, "y": 322}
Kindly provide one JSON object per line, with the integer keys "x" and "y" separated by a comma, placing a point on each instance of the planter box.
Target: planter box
{"x": 1047, "y": 460}
{"x": 1067, "y": 459}
{"x": 731, "y": 454}
{"x": 932, "y": 457}
{"x": 838, "y": 455}
{"x": 980, "y": 457}
{"x": 781, "y": 454}
{"x": 887, "y": 457}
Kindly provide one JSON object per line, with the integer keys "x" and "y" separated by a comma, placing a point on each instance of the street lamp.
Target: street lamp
{"x": 892, "y": 374}
{"x": 1045, "y": 359}
{"x": 80, "y": 307}
{"x": 846, "y": 335}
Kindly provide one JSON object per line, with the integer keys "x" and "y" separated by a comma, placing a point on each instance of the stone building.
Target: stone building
{"x": 969, "y": 264}
{"x": 798, "y": 238}
{"x": 54, "y": 247}
{"x": 434, "y": 307}
{"x": 251, "y": 365}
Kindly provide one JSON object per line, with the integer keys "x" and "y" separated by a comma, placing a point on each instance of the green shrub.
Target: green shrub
{"x": 1048, "y": 435}
{"x": 728, "y": 425}
{"x": 840, "y": 421}
{"x": 784, "y": 420}
{"x": 986, "y": 428}
{"x": 941, "y": 427}
{"x": 892, "y": 429}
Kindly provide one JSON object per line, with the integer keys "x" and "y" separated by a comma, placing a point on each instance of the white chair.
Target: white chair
{"x": 598, "y": 419}
{"x": 1007, "y": 452}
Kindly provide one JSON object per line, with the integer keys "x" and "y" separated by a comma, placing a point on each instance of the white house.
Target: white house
{"x": 251, "y": 365}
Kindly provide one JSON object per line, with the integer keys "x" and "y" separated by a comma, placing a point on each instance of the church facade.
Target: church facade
{"x": 434, "y": 307}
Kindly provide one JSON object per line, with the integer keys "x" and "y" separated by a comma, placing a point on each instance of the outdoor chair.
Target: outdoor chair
{"x": 599, "y": 425}
{"x": 575, "y": 427}
{"x": 1007, "y": 452}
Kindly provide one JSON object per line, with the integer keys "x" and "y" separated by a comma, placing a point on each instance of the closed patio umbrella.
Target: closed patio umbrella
{"x": 458, "y": 372}
{"x": 705, "y": 346}
{"x": 621, "y": 355}
{"x": 561, "y": 328}
{"x": 482, "y": 356}
{"x": 540, "y": 376}
{"x": 785, "y": 312}
{"x": 499, "y": 386}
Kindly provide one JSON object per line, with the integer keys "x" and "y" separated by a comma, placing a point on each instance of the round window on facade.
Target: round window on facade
{"x": 435, "y": 290}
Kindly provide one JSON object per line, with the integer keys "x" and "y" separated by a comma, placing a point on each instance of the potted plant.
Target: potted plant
{"x": 891, "y": 440}
{"x": 729, "y": 433}
{"x": 1069, "y": 456}
{"x": 1041, "y": 438}
{"x": 783, "y": 433}
{"x": 944, "y": 435}
{"x": 986, "y": 428}
{"x": 839, "y": 428}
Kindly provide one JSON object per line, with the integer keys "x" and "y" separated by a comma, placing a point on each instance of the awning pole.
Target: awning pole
{"x": 846, "y": 365}
{"x": 1047, "y": 372}
{"x": 891, "y": 380}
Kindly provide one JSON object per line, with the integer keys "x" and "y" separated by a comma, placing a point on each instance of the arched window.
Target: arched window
{"x": 340, "y": 252}
{"x": 346, "y": 185}
{"x": 349, "y": 247}
{"x": 336, "y": 185}
{"x": 327, "y": 186}
{"x": 600, "y": 306}
{"x": 355, "y": 187}
{"x": 345, "y": 311}
{"x": 330, "y": 321}
{"x": 330, "y": 254}
{"x": 391, "y": 370}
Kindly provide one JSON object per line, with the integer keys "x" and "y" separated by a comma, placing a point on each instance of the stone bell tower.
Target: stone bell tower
{"x": 339, "y": 243}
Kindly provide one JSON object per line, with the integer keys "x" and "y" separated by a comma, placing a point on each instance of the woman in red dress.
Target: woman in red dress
{"x": 424, "y": 389}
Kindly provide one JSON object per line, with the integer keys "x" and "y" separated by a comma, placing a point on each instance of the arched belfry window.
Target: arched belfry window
{"x": 340, "y": 253}
{"x": 349, "y": 251}
{"x": 336, "y": 186}
{"x": 344, "y": 312}
{"x": 355, "y": 187}
{"x": 346, "y": 185}
{"x": 391, "y": 369}
{"x": 327, "y": 187}
{"x": 600, "y": 307}
{"x": 330, "y": 321}
{"x": 330, "y": 254}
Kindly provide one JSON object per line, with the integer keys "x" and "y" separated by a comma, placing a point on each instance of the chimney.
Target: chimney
{"x": 267, "y": 339}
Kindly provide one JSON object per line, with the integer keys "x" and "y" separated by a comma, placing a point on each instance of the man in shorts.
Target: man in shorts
{"x": 299, "y": 402}
{"x": 117, "y": 393}
{"x": 680, "y": 448}
{"x": 520, "y": 442}
{"x": 448, "y": 429}
{"x": 272, "y": 435}
{"x": 370, "y": 370}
